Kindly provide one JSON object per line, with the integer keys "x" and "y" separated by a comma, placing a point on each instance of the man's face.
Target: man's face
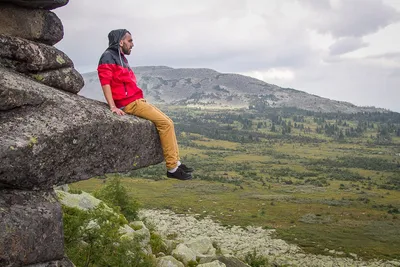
{"x": 126, "y": 44}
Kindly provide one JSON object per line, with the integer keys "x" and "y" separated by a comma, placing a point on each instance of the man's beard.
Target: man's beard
{"x": 126, "y": 51}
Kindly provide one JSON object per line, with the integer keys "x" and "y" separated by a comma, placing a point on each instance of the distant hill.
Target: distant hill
{"x": 208, "y": 88}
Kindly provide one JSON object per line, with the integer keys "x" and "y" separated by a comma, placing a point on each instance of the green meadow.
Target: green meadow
{"x": 323, "y": 181}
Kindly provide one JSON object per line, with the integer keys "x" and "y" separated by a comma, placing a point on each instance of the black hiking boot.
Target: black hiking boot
{"x": 185, "y": 168}
{"x": 179, "y": 174}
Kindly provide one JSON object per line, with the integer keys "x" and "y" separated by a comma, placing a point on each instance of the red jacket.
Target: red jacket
{"x": 114, "y": 70}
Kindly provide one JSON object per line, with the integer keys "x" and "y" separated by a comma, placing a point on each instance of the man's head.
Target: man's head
{"x": 126, "y": 44}
{"x": 121, "y": 39}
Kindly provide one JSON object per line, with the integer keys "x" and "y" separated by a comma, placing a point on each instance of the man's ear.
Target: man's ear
{"x": 121, "y": 43}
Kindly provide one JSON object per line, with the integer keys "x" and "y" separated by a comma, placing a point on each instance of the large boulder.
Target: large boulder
{"x": 212, "y": 264}
{"x": 42, "y": 4}
{"x": 27, "y": 56}
{"x": 83, "y": 201}
{"x": 229, "y": 261}
{"x": 51, "y": 137}
{"x": 141, "y": 234}
{"x": 202, "y": 246}
{"x": 30, "y": 228}
{"x": 169, "y": 261}
{"x": 33, "y": 24}
{"x": 185, "y": 254}
{"x": 67, "y": 79}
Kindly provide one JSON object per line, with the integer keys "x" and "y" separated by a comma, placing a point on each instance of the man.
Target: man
{"x": 124, "y": 97}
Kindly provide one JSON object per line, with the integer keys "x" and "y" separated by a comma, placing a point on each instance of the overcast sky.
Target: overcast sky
{"x": 341, "y": 49}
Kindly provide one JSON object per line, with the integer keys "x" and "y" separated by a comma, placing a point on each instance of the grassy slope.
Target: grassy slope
{"x": 271, "y": 183}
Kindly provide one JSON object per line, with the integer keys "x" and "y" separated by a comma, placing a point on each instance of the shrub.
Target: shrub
{"x": 114, "y": 194}
{"x": 157, "y": 244}
{"x": 255, "y": 260}
{"x": 92, "y": 238}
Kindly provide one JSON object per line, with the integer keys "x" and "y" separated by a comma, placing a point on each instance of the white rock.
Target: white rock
{"x": 64, "y": 188}
{"x": 239, "y": 241}
{"x": 202, "y": 246}
{"x": 169, "y": 261}
{"x": 83, "y": 201}
{"x": 212, "y": 264}
{"x": 183, "y": 253}
{"x": 143, "y": 235}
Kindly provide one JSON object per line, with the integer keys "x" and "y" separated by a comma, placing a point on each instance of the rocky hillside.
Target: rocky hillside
{"x": 210, "y": 89}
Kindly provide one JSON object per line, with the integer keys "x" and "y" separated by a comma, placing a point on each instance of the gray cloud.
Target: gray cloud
{"x": 244, "y": 36}
{"x": 347, "y": 44}
{"x": 354, "y": 81}
{"x": 392, "y": 56}
{"x": 352, "y": 17}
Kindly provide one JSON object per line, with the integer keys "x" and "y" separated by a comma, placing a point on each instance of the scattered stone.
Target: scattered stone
{"x": 33, "y": 24}
{"x": 212, "y": 264}
{"x": 353, "y": 255}
{"x": 241, "y": 241}
{"x": 170, "y": 244}
{"x": 183, "y": 253}
{"x": 169, "y": 261}
{"x": 202, "y": 246}
{"x": 229, "y": 261}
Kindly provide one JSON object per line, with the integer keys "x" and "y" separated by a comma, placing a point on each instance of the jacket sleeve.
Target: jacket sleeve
{"x": 105, "y": 72}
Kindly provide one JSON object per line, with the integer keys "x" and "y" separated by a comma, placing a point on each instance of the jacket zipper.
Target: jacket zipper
{"x": 126, "y": 92}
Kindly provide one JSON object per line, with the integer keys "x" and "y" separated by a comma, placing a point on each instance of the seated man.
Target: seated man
{"x": 125, "y": 97}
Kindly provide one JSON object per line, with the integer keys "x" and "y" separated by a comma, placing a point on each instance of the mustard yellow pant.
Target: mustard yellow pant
{"x": 164, "y": 125}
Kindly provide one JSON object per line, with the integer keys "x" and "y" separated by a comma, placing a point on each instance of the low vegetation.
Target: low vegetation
{"x": 324, "y": 181}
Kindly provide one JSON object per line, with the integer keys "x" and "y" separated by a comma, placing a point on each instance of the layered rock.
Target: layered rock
{"x": 38, "y": 4}
{"x": 50, "y": 137}
{"x": 30, "y": 57}
{"x": 33, "y": 24}
{"x": 67, "y": 79}
{"x": 27, "y": 32}
{"x": 44, "y": 63}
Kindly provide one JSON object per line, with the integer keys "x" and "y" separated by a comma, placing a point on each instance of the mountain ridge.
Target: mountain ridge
{"x": 208, "y": 88}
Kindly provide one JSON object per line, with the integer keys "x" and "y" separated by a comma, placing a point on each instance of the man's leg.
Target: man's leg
{"x": 164, "y": 125}
{"x": 174, "y": 136}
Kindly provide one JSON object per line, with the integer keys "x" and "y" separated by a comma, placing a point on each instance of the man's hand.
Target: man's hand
{"x": 117, "y": 111}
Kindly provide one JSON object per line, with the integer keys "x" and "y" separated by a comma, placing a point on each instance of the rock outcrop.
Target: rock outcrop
{"x": 32, "y": 24}
{"x": 31, "y": 227}
{"x": 50, "y": 135}
{"x": 38, "y": 4}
